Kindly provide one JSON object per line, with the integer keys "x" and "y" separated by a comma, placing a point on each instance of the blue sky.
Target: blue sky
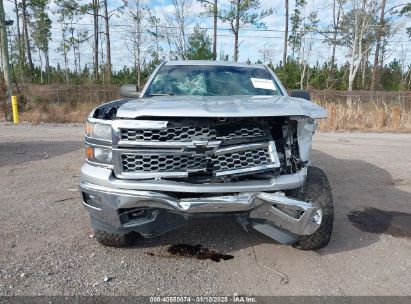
{"x": 252, "y": 40}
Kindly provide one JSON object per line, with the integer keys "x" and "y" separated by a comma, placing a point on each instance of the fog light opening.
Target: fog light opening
{"x": 134, "y": 214}
{"x": 91, "y": 200}
{"x": 292, "y": 212}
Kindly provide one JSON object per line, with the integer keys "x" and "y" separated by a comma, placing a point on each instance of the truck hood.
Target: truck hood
{"x": 220, "y": 106}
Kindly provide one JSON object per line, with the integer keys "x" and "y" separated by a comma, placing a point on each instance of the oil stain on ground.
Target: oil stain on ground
{"x": 185, "y": 250}
{"x": 373, "y": 220}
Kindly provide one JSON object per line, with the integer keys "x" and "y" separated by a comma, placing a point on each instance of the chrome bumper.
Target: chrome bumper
{"x": 273, "y": 214}
{"x": 104, "y": 177}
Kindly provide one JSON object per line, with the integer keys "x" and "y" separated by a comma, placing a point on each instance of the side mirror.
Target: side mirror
{"x": 129, "y": 91}
{"x": 301, "y": 94}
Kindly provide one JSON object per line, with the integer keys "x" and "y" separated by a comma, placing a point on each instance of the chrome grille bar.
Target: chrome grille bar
{"x": 153, "y": 149}
{"x": 185, "y": 134}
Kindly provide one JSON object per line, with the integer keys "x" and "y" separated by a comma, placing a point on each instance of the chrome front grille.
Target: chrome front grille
{"x": 195, "y": 163}
{"x": 146, "y": 149}
{"x": 186, "y": 134}
{"x": 241, "y": 160}
{"x": 162, "y": 163}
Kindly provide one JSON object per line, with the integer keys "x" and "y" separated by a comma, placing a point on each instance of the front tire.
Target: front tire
{"x": 317, "y": 190}
{"x": 113, "y": 239}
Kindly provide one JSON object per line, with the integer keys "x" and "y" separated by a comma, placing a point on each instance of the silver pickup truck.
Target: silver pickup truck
{"x": 206, "y": 139}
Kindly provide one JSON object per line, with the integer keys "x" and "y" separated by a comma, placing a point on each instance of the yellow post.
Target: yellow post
{"x": 15, "y": 109}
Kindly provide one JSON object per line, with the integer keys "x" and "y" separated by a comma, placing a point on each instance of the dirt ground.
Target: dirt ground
{"x": 47, "y": 246}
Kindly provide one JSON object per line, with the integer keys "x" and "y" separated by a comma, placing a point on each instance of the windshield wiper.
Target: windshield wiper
{"x": 162, "y": 94}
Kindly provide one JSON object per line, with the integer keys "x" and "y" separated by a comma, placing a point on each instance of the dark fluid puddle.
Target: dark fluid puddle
{"x": 373, "y": 220}
{"x": 198, "y": 252}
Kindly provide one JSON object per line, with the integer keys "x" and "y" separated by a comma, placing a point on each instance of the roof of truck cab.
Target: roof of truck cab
{"x": 215, "y": 63}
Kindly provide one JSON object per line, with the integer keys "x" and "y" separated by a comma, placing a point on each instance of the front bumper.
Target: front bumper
{"x": 113, "y": 209}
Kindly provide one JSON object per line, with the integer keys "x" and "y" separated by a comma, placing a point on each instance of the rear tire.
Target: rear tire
{"x": 317, "y": 190}
{"x": 113, "y": 239}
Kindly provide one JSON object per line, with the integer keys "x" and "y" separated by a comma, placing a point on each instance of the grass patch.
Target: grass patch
{"x": 365, "y": 116}
{"x": 55, "y": 113}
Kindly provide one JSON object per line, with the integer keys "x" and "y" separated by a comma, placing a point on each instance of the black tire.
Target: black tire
{"x": 113, "y": 240}
{"x": 317, "y": 190}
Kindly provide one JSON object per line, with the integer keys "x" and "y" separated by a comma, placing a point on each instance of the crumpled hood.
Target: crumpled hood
{"x": 220, "y": 106}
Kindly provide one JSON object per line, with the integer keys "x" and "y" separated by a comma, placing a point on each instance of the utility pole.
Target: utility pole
{"x": 215, "y": 16}
{"x": 212, "y": 6}
{"x": 5, "y": 58}
{"x": 285, "y": 34}
{"x": 380, "y": 29}
{"x": 108, "y": 45}
{"x": 96, "y": 4}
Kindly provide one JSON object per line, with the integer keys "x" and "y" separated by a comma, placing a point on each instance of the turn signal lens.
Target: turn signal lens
{"x": 89, "y": 153}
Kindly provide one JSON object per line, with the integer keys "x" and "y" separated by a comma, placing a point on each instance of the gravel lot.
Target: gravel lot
{"x": 47, "y": 246}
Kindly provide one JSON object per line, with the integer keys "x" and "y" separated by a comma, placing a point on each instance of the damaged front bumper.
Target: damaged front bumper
{"x": 151, "y": 213}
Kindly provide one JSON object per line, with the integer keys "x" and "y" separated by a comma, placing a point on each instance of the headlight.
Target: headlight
{"x": 98, "y": 131}
{"x": 99, "y": 155}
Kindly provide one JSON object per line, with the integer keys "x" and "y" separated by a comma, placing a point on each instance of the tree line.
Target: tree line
{"x": 362, "y": 29}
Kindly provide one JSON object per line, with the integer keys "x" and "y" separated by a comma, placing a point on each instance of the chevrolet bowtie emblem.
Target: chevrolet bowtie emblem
{"x": 202, "y": 147}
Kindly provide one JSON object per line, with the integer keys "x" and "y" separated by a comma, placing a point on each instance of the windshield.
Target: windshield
{"x": 212, "y": 80}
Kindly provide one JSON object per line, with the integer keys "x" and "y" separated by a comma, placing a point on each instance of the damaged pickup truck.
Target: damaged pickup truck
{"x": 206, "y": 139}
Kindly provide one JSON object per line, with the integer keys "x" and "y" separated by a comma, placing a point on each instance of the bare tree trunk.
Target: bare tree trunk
{"x": 78, "y": 44}
{"x": 96, "y": 34}
{"x": 215, "y": 14}
{"x": 27, "y": 38}
{"x": 352, "y": 69}
{"x": 103, "y": 75}
{"x": 364, "y": 69}
{"x": 138, "y": 46}
{"x": 180, "y": 18}
{"x": 302, "y": 76}
{"x": 108, "y": 46}
{"x": 357, "y": 45}
{"x": 236, "y": 30}
{"x": 409, "y": 79}
{"x": 79, "y": 60}
{"x": 285, "y": 33}
{"x": 138, "y": 69}
{"x": 41, "y": 68}
{"x": 332, "y": 64}
{"x": 375, "y": 69}
{"x": 19, "y": 38}
{"x": 336, "y": 22}
{"x": 5, "y": 61}
{"x": 66, "y": 72}
{"x": 47, "y": 58}
{"x": 74, "y": 47}
{"x": 183, "y": 33}
{"x": 64, "y": 48}
{"x": 382, "y": 57}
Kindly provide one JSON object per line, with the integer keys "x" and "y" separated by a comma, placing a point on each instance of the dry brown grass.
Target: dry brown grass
{"x": 366, "y": 116}
{"x": 62, "y": 103}
{"x": 55, "y": 113}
